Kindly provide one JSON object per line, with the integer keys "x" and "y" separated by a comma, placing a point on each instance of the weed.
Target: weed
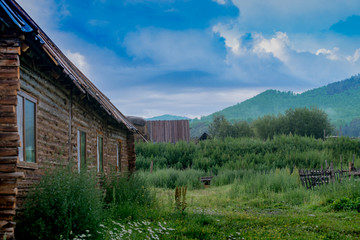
{"x": 64, "y": 203}
{"x": 180, "y": 198}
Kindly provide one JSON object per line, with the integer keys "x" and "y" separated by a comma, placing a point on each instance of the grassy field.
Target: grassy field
{"x": 216, "y": 213}
{"x": 255, "y": 194}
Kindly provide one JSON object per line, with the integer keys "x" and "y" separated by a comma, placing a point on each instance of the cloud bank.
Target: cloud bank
{"x": 196, "y": 57}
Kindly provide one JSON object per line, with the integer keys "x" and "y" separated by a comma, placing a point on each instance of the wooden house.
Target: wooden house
{"x": 50, "y": 114}
{"x": 168, "y": 130}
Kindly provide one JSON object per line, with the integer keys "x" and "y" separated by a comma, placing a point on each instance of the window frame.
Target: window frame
{"x": 118, "y": 155}
{"x": 22, "y": 132}
{"x": 79, "y": 148}
{"x": 100, "y": 164}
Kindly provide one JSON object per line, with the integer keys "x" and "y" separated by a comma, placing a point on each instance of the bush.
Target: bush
{"x": 64, "y": 204}
{"x": 345, "y": 203}
{"x": 265, "y": 184}
{"x": 248, "y": 153}
{"x": 170, "y": 178}
{"x": 127, "y": 196}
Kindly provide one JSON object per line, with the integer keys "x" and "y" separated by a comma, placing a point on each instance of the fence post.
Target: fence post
{"x": 353, "y": 160}
{"x": 341, "y": 163}
{"x": 332, "y": 173}
{"x": 151, "y": 166}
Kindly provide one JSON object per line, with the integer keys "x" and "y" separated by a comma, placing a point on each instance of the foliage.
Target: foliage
{"x": 64, "y": 203}
{"x": 340, "y": 100}
{"x": 265, "y": 184}
{"x": 307, "y": 122}
{"x": 216, "y": 155}
{"x": 127, "y": 196}
{"x": 180, "y": 198}
{"x": 352, "y": 129}
{"x": 345, "y": 203}
{"x": 221, "y": 128}
{"x": 299, "y": 121}
{"x": 170, "y": 178}
{"x": 213, "y": 214}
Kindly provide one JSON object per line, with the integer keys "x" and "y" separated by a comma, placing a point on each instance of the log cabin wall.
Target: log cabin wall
{"x": 59, "y": 112}
{"x": 9, "y": 137}
{"x": 63, "y": 101}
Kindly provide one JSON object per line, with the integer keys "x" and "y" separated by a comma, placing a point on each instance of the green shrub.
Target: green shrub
{"x": 345, "y": 203}
{"x": 266, "y": 184}
{"x": 248, "y": 153}
{"x": 170, "y": 178}
{"x": 63, "y": 204}
{"x": 127, "y": 196}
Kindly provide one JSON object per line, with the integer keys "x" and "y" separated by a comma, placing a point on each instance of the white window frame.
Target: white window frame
{"x": 20, "y": 112}
{"x": 118, "y": 156}
{"x": 98, "y": 152}
{"x": 79, "y": 149}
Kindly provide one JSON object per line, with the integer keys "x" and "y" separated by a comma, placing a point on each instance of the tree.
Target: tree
{"x": 267, "y": 126}
{"x": 222, "y": 128}
{"x": 242, "y": 129}
{"x": 307, "y": 122}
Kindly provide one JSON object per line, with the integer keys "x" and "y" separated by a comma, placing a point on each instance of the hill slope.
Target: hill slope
{"x": 340, "y": 100}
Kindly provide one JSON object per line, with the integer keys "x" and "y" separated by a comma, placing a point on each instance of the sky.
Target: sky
{"x": 195, "y": 57}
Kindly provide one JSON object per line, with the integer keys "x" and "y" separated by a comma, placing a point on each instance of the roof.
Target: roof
{"x": 27, "y": 25}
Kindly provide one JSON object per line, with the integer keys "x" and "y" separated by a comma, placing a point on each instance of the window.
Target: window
{"x": 26, "y": 119}
{"x": 118, "y": 156}
{"x": 100, "y": 154}
{"x": 81, "y": 149}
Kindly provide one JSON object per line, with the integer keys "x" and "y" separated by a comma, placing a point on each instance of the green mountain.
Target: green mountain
{"x": 168, "y": 117}
{"x": 340, "y": 100}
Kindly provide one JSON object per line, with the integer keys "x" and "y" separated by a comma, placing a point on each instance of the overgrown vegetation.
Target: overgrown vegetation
{"x": 255, "y": 192}
{"x": 62, "y": 205}
{"x": 300, "y": 121}
{"x": 218, "y": 156}
{"x": 127, "y": 196}
{"x": 71, "y": 205}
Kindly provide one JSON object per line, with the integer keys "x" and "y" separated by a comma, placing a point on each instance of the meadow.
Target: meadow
{"x": 255, "y": 194}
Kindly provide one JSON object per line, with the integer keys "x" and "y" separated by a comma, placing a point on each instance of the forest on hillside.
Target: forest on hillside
{"x": 340, "y": 100}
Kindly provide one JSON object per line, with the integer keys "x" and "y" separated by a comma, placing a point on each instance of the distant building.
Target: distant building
{"x": 168, "y": 131}
{"x": 204, "y": 136}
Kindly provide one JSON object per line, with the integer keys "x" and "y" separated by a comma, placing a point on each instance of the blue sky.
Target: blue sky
{"x": 194, "y": 57}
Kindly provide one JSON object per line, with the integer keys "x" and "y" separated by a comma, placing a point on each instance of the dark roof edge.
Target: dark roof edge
{"x": 27, "y": 25}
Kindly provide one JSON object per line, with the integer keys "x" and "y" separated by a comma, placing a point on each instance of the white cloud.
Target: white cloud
{"x": 294, "y": 15}
{"x": 231, "y": 36}
{"x": 355, "y": 57}
{"x": 79, "y": 60}
{"x": 172, "y": 49}
{"x": 330, "y": 54}
{"x": 221, "y": 2}
{"x": 277, "y": 46}
{"x": 189, "y": 102}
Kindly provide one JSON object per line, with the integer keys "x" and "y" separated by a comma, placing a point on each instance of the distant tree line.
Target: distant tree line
{"x": 352, "y": 129}
{"x": 300, "y": 121}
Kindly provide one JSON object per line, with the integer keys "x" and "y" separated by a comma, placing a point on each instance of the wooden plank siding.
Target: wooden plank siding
{"x": 62, "y": 102}
{"x": 57, "y": 132}
{"x": 168, "y": 130}
{"x": 9, "y": 137}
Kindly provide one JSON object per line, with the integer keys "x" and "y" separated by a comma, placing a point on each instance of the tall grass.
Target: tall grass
{"x": 283, "y": 187}
{"x": 127, "y": 196}
{"x": 64, "y": 203}
{"x": 247, "y": 153}
{"x": 171, "y": 178}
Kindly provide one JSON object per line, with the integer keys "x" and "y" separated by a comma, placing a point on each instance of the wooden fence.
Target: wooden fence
{"x": 313, "y": 178}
